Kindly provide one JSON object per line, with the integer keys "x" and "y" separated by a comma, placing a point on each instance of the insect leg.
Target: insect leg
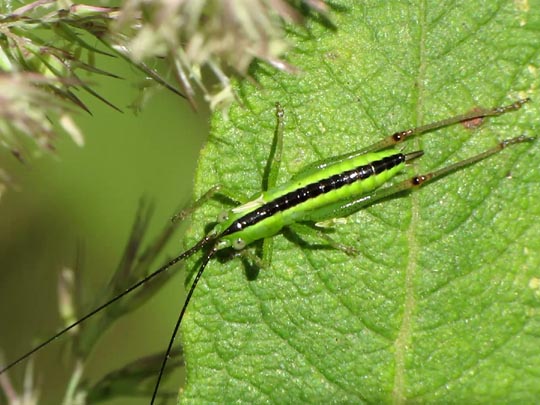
{"x": 252, "y": 257}
{"x": 400, "y": 136}
{"x": 481, "y": 156}
{"x": 353, "y": 206}
{"x": 304, "y": 229}
{"x": 271, "y": 171}
{"x": 301, "y": 229}
{"x": 218, "y": 189}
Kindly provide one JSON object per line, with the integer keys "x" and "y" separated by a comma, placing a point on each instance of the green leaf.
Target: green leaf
{"x": 442, "y": 304}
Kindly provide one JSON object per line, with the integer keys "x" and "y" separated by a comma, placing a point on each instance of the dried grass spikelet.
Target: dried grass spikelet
{"x": 216, "y": 36}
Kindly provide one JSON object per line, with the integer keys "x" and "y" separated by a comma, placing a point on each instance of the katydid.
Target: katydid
{"x": 332, "y": 188}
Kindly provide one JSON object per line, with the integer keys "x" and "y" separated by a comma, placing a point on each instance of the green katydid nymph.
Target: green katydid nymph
{"x": 329, "y": 189}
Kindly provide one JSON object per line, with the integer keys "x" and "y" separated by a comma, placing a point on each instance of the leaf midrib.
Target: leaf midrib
{"x": 403, "y": 340}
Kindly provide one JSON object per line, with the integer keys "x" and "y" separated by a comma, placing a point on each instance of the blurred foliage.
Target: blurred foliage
{"x": 42, "y": 52}
{"x": 218, "y": 35}
{"x": 45, "y": 45}
{"x": 51, "y": 54}
{"x": 72, "y": 215}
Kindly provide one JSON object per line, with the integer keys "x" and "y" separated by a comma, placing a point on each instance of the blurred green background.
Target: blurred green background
{"x": 87, "y": 197}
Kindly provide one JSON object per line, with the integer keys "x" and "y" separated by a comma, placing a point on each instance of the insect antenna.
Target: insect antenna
{"x": 205, "y": 261}
{"x": 186, "y": 254}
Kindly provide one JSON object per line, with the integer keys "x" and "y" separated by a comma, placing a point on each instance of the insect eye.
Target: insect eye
{"x": 223, "y": 216}
{"x": 239, "y": 244}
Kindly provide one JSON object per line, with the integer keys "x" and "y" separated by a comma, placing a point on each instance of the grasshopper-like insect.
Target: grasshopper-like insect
{"x": 332, "y": 188}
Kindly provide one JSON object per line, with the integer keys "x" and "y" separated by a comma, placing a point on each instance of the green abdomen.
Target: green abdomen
{"x": 298, "y": 198}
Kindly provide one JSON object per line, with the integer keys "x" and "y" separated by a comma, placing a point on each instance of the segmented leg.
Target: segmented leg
{"x": 304, "y": 229}
{"x": 401, "y": 136}
{"x": 211, "y": 193}
{"x": 271, "y": 176}
{"x": 418, "y": 180}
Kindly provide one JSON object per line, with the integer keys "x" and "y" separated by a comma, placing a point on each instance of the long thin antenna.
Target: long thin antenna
{"x": 206, "y": 259}
{"x": 194, "y": 249}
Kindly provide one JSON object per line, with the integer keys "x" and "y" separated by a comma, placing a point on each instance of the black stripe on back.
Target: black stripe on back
{"x": 313, "y": 190}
